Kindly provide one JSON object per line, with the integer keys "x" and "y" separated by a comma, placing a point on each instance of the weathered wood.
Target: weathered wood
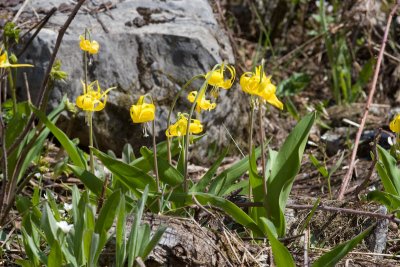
{"x": 186, "y": 243}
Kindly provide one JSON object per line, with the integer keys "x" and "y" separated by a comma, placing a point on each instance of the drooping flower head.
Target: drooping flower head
{"x": 5, "y": 63}
{"x": 202, "y": 103}
{"x": 395, "y": 124}
{"x": 92, "y": 100}
{"x": 257, "y": 83}
{"x": 222, "y": 76}
{"x": 179, "y": 128}
{"x": 142, "y": 112}
{"x": 92, "y": 47}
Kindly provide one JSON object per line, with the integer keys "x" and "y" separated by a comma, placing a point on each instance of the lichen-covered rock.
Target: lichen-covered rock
{"x": 146, "y": 46}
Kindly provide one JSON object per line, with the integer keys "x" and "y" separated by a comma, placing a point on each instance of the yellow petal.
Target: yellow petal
{"x": 142, "y": 113}
{"x": 395, "y": 124}
{"x": 94, "y": 47}
{"x": 192, "y": 96}
{"x": 273, "y": 100}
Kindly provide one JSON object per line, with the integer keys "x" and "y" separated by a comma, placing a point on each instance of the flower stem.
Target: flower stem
{"x": 153, "y": 123}
{"x": 90, "y": 118}
{"x": 251, "y": 124}
{"x": 185, "y": 171}
{"x": 172, "y": 108}
{"x": 13, "y": 91}
{"x": 262, "y": 137}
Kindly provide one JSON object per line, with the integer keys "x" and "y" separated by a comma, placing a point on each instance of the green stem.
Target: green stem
{"x": 262, "y": 137}
{"x": 251, "y": 124}
{"x": 13, "y": 91}
{"x": 153, "y": 123}
{"x": 90, "y": 119}
{"x": 185, "y": 171}
{"x": 172, "y": 108}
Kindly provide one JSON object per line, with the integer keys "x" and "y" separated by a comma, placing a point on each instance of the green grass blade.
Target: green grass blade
{"x": 332, "y": 257}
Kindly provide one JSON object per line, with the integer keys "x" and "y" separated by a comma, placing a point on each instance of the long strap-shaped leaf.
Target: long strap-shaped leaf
{"x": 284, "y": 169}
{"x": 68, "y": 145}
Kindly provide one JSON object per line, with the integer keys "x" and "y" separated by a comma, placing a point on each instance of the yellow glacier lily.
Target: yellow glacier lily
{"x": 395, "y": 124}
{"x": 202, "y": 103}
{"x": 257, "y": 83}
{"x": 217, "y": 79}
{"x": 92, "y": 100}
{"x": 92, "y": 47}
{"x": 179, "y": 128}
{"x": 142, "y": 112}
{"x": 5, "y": 63}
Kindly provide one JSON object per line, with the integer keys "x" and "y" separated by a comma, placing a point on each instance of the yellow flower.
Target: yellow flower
{"x": 92, "y": 47}
{"x": 179, "y": 128}
{"x": 395, "y": 124}
{"x": 201, "y": 103}
{"x": 92, "y": 100}
{"x": 4, "y": 62}
{"x": 142, "y": 112}
{"x": 257, "y": 83}
{"x": 217, "y": 77}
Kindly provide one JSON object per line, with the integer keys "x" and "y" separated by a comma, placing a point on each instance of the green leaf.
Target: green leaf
{"x": 55, "y": 256}
{"x": 284, "y": 169}
{"x": 205, "y": 180}
{"x": 388, "y": 171}
{"x": 142, "y": 164}
{"x": 107, "y": 213}
{"x": 48, "y": 224}
{"x": 153, "y": 242}
{"x": 69, "y": 146}
{"x": 293, "y": 85}
{"x": 128, "y": 155}
{"x": 225, "y": 179}
{"x": 94, "y": 246}
{"x": 92, "y": 182}
{"x": 134, "y": 241}
{"x": 120, "y": 236}
{"x": 167, "y": 173}
{"x": 391, "y": 201}
{"x": 131, "y": 176}
{"x": 282, "y": 256}
{"x": 332, "y": 257}
{"x": 320, "y": 167}
{"x": 228, "y": 207}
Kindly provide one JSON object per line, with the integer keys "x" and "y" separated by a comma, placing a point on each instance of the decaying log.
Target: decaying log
{"x": 186, "y": 243}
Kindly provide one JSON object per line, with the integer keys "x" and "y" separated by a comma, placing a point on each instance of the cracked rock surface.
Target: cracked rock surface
{"x": 146, "y": 46}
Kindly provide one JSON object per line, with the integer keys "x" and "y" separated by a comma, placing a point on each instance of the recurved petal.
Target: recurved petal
{"x": 273, "y": 100}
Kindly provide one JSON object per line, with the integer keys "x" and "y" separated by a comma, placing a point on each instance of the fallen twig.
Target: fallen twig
{"x": 349, "y": 173}
{"x": 329, "y": 209}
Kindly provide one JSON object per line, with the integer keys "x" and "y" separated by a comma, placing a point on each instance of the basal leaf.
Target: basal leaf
{"x": 283, "y": 171}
